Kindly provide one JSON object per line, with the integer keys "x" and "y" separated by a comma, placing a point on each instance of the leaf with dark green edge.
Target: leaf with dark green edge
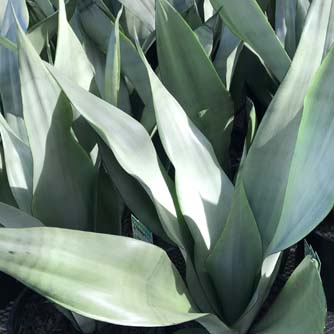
{"x": 19, "y": 166}
{"x": 300, "y": 308}
{"x": 196, "y": 85}
{"x": 203, "y": 190}
{"x": 9, "y": 73}
{"x": 132, "y": 66}
{"x": 235, "y": 261}
{"x": 113, "y": 65}
{"x": 205, "y": 37}
{"x": 285, "y": 24}
{"x": 71, "y": 269}
{"x": 48, "y": 26}
{"x": 269, "y": 271}
{"x": 109, "y": 206}
{"x": 63, "y": 174}
{"x": 78, "y": 68}
{"x": 266, "y": 171}
{"x": 11, "y": 217}
{"x": 247, "y": 21}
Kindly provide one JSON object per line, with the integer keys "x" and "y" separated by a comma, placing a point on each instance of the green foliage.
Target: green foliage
{"x": 113, "y": 104}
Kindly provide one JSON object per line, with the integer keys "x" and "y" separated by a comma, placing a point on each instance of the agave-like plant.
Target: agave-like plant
{"x": 231, "y": 235}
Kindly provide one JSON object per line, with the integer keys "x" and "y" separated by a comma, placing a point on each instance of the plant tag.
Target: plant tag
{"x": 140, "y": 231}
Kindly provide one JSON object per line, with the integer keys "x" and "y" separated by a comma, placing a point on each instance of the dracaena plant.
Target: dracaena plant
{"x": 231, "y": 235}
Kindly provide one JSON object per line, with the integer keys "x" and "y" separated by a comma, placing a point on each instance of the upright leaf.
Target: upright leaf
{"x": 204, "y": 192}
{"x": 301, "y": 298}
{"x": 131, "y": 145}
{"x": 19, "y": 166}
{"x": 235, "y": 261}
{"x": 285, "y": 22}
{"x": 314, "y": 152}
{"x": 134, "y": 151}
{"x": 9, "y": 73}
{"x": 145, "y": 9}
{"x": 59, "y": 163}
{"x": 77, "y": 67}
{"x": 131, "y": 65}
{"x": 113, "y": 66}
{"x": 247, "y": 21}
{"x": 195, "y": 84}
{"x": 267, "y": 168}
{"x": 48, "y": 27}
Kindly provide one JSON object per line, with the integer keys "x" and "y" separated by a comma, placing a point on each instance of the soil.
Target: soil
{"x": 39, "y": 316}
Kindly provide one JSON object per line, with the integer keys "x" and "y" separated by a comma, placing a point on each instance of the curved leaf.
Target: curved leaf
{"x": 314, "y": 153}
{"x": 248, "y": 22}
{"x": 131, "y": 65}
{"x": 47, "y": 27}
{"x": 195, "y": 84}
{"x": 236, "y": 259}
{"x": 113, "y": 65}
{"x": 267, "y": 166}
{"x": 204, "y": 192}
{"x": 71, "y": 268}
{"x": 301, "y": 306}
{"x": 9, "y": 72}
{"x": 132, "y": 147}
{"x": 58, "y": 160}
{"x": 77, "y": 67}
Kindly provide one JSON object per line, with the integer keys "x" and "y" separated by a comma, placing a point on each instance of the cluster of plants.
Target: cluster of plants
{"x": 211, "y": 120}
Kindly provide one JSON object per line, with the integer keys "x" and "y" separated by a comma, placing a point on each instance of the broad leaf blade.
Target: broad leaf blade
{"x": 236, "y": 259}
{"x": 133, "y": 194}
{"x": 267, "y": 167}
{"x": 48, "y": 27}
{"x": 77, "y": 67}
{"x": 301, "y": 298}
{"x": 313, "y": 154}
{"x": 71, "y": 268}
{"x": 285, "y": 22}
{"x": 9, "y": 73}
{"x": 269, "y": 270}
{"x": 131, "y": 146}
{"x": 131, "y": 65}
{"x": 204, "y": 192}
{"x": 196, "y": 84}
{"x": 58, "y": 160}
{"x": 248, "y": 22}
